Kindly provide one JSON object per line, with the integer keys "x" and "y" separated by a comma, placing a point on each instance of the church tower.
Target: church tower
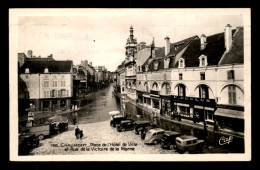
{"x": 131, "y": 43}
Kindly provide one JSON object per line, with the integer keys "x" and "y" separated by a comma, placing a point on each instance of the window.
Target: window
{"x": 181, "y": 90}
{"x": 48, "y": 94}
{"x": 63, "y": 84}
{"x": 156, "y": 63}
{"x": 203, "y": 61}
{"x": 123, "y": 89}
{"x": 54, "y": 83}
{"x": 180, "y": 76}
{"x": 202, "y": 76}
{"x": 46, "y": 84}
{"x": 231, "y": 75}
{"x": 45, "y": 94}
{"x": 68, "y": 93}
{"x": 146, "y": 68}
{"x": 204, "y": 92}
{"x": 53, "y": 93}
{"x": 188, "y": 142}
{"x": 155, "y": 86}
{"x": 209, "y": 115}
{"x": 232, "y": 95}
{"x": 181, "y": 63}
{"x": 166, "y": 63}
{"x": 146, "y": 87}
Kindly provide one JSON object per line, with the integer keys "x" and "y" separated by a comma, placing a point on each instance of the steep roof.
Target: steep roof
{"x": 214, "y": 50}
{"x": 236, "y": 53}
{"x": 160, "y": 54}
{"x": 53, "y": 66}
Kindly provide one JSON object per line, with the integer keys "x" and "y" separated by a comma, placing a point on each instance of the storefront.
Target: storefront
{"x": 166, "y": 106}
{"x": 146, "y": 100}
{"x": 230, "y": 119}
{"x": 139, "y": 97}
{"x": 194, "y": 108}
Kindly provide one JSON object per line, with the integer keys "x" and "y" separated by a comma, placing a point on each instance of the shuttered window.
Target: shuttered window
{"x": 232, "y": 95}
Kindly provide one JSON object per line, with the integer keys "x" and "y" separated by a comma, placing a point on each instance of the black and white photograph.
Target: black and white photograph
{"x": 130, "y": 84}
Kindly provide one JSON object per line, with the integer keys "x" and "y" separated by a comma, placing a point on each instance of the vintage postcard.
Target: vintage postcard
{"x": 130, "y": 84}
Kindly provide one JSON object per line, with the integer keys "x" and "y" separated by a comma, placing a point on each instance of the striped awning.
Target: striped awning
{"x": 229, "y": 113}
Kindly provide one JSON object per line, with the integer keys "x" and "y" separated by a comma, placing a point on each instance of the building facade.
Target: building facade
{"x": 200, "y": 79}
{"x": 49, "y": 84}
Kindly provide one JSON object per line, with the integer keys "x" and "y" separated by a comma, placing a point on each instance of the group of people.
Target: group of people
{"x": 78, "y": 133}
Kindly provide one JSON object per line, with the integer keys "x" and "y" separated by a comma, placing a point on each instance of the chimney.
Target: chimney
{"x": 203, "y": 41}
{"x": 167, "y": 45}
{"x": 228, "y": 37}
{"x": 30, "y": 54}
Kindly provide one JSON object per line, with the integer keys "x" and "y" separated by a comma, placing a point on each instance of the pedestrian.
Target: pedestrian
{"x": 77, "y": 132}
{"x": 81, "y": 134}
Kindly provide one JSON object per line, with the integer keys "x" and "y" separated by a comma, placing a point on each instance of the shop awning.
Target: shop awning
{"x": 229, "y": 113}
{"x": 183, "y": 104}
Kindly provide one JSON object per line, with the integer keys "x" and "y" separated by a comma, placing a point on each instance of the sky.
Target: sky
{"x": 99, "y": 35}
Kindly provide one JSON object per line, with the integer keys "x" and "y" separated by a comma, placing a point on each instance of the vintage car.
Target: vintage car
{"x": 140, "y": 125}
{"x": 169, "y": 139}
{"x": 27, "y": 141}
{"x": 154, "y": 136}
{"x": 189, "y": 143}
{"x": 58, "y": 124}
{"x": 116, "y": 119}
{"x": 124, "y": 125}
{"x": 146, "y": 129}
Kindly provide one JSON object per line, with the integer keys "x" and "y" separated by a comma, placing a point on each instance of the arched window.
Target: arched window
{"x": 203, "y": 61}
{"x": 146, "y": 87}
{"x": 232, "y": 94}
{"x": 181, "y": 63}
{"x": 155, "y": 86}
{"x": 181, "y": 90}
{"x": 203, "y": 91}
{"x": 166, "y": 88}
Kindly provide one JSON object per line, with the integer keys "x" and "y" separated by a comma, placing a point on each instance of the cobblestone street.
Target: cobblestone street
{"x": 96, "y": 134}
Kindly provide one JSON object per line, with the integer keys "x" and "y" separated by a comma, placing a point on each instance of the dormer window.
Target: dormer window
{"x": 46, "y": 70}
{"x": 27, "y": 70}
{"x": 156, "y": 63}
{"x": 203, "y": 61}
{"x": 181, "y": 63}
{"x": 146, "y": 68}
{"x": 166, "y": 63}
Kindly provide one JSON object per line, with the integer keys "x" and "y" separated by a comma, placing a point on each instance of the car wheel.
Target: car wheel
{"x": 123, "y": 129}
{"x": 41, "y": 137}
{"x": 171, "y": 147}
{"x": 155, "y": 142}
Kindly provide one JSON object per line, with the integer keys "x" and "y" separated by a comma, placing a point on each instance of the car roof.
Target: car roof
{"x": 118, "y": 116}
{"x": 186, "y": 137}
{"x": 142, "y": 122}
{"x": 125, "y": 121}
{"x": 171, "y": 133}
{"x": 156, "y": 130}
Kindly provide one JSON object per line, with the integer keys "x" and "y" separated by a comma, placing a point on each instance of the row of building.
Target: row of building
{"x": 198, "y": 76}
{"x": 48, "y": 84}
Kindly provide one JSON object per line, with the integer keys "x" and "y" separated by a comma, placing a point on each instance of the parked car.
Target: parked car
{"x": 41, "y": 131}
{"x": 140, "y": 125}
{"x": 189, "y": 143}
{"x": 154, "y": 136}
{"x": 146, "y": 129}
{"x": 124, "y": 125}
{"x": 27, "y": 141}
{"x": 116, "y": 119}
{"x": 169, "y": 139}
